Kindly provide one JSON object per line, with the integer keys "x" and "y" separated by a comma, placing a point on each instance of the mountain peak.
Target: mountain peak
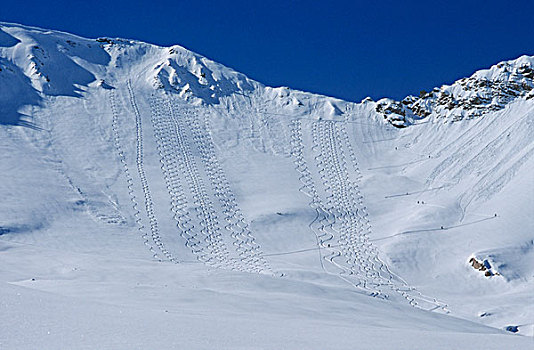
{"x": 177, "y": 189}
{"x": 484, "y": 91}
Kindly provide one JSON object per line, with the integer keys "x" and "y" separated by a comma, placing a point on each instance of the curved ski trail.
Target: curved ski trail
{"x": 202, "y": 232}
{"x": 342, "y": 223}
{"x": 249, "y": 251}
{"x": 127, "y": 173}
{"x": 188, "y": 123}
{"x": 149, "y": 204}
{"x": 177, "y": 160}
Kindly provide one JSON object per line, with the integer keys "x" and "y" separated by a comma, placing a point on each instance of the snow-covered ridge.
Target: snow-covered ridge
{"x": 485, "y": 91}
{"x": 53, "y": 63}
{"x": 35, "y": 63}
{"x": 176, "y": 189}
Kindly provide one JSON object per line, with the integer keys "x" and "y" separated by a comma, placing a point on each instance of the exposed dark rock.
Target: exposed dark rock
{"x": 468, "y": 98}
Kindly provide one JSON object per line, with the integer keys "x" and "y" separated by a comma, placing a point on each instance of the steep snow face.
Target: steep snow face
{"x": 441, "y": 194}
{"x": 485, "y": 91}
{"x": 34, "y": 64}
{"x": 196, "y": 78}
{"x": 173, "y": 188}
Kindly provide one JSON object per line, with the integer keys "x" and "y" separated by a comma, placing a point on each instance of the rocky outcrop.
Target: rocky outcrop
{"x": 468, "y": 98}
{"x": 483, "y": 266}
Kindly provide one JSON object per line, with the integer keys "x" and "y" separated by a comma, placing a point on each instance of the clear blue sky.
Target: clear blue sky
{"x": 346, "y": 49}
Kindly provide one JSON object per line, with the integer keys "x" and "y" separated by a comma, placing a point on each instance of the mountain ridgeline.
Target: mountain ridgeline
{"x": 133, "y": 153}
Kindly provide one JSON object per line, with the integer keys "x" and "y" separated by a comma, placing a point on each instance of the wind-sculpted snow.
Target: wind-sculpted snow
{"x": 151, "y": 193}
{"x": 196, "y": 78}
{"x": 56, "y": 65}
{"x": 16, "y": 92}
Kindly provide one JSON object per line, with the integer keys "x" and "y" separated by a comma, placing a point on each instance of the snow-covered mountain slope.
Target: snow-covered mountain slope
{"x": 154, "y": 198}
{"x": 484, "y": 92}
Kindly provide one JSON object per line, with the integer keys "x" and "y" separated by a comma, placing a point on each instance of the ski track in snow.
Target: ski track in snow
{"x": 320, "y": 222}
{"x": 149, "y": 205}
{"x": 204, "y": 239}
{"x": 127, "y": 173}
{"x": 172, "y": 165}
{"x": 205, "y": 213}
{"x": 244, "y": 242}
{"x": 178, "y": 132}
{"x": 343, "y": 216}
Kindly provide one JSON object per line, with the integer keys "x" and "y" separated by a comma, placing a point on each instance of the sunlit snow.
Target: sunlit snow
{"x": 152, "y": 198}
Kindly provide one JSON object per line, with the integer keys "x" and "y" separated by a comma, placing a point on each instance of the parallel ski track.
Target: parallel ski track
{"x": 149, "y": 204}
{"x": 356, "y": 214}
{"x": 176, "y": 162}
{"x": 345, "y": 216}
{"x": 172, "y": 165}
{"x": 129, "y": 178}
{"x": 383, "y": 276}
{"x": 209, "y": 247}
{"x": 324, "y": 219}
{"x": 249, "y": 251}
{"x": 332, "y": 169}
{"x": 357, "y": 199}
{"x": 359, "y": 248}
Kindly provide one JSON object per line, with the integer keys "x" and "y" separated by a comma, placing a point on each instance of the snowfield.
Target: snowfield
{"x": 152, "y": 198}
